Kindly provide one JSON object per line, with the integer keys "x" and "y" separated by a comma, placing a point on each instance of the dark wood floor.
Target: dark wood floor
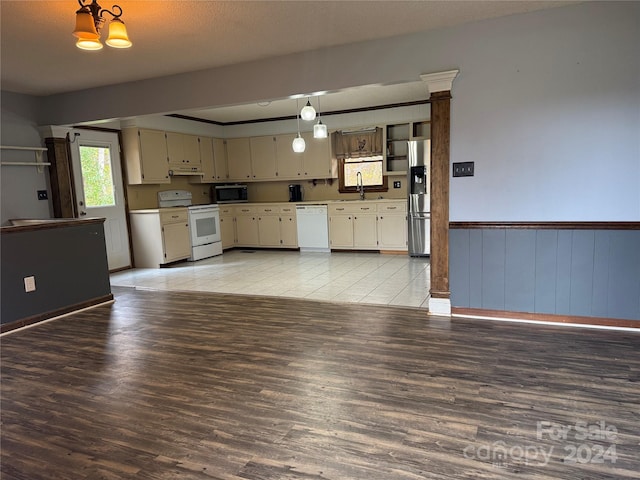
{"x": 167, "y": 385}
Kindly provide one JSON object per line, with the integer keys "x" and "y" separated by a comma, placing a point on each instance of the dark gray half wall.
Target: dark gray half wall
{"x": 69, "y": 265}
{"x": 592, "y": 273}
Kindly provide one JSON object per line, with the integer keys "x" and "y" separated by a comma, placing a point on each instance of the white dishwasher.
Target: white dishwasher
{"x": 313, "y": 228}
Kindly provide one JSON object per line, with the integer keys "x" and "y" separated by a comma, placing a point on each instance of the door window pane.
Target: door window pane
{"x": 97, "y": 177}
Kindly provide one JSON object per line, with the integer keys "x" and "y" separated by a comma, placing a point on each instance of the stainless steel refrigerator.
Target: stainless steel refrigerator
{"x": 419, "y": 201}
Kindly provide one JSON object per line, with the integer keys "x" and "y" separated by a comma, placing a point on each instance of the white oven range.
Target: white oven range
{"x": 204, "y": 223}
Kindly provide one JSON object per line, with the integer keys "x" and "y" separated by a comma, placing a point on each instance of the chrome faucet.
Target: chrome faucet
{"x": 360, "y": 185}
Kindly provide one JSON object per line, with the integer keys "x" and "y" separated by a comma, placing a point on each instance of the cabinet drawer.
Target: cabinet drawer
{"x": 290, "y": 209}
{"x": 268, "y": 209}
{"x": 245, "y": 210}
{"x": 174, "y": 216}
{"x": 395, "y": 207}
{"x": 226, "y": 211}
{"x": 353, "y": 207}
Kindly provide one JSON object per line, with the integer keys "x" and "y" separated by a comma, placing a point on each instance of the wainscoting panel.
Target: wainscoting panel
{"x": 568, "y": 270}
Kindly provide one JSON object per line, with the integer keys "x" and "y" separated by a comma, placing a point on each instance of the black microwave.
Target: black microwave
{"x": 229, "y": 193}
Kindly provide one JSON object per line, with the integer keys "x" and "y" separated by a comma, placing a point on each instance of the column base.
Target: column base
{"x": 440, "y": 306}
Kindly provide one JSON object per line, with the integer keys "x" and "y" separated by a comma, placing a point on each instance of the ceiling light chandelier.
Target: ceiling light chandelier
{"x": 89, "y": 22}
{"x": 308, "y": 113}
{"x": 319, "y": 129}
{"x": 298, "y": 142}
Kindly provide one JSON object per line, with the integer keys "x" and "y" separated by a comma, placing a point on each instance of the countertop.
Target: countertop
{"x": 27, "y": 224}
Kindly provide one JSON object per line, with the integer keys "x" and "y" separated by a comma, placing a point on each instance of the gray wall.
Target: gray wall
{"x": 593, "y": 273}
{"x": 547, "y": 104}
{"x": 18, "y": 198}
{"x": 69, "y": 265}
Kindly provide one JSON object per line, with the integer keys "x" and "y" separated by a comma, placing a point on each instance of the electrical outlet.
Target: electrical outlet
{"x": 463, "y": 169}
{"x": 43, "y": 195}
{"x": 396, "y": 184}
{"x": 30, "y": 284}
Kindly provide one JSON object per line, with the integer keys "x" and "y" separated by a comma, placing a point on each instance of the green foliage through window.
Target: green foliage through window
{"x": 96, "y": 176}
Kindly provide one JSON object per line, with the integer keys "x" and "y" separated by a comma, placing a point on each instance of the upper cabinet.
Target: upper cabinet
{"x": 220, "y": 159}
{"x": 316, "y": 159}
{"x": 145, "y": 156}
{"x": 289, "y": 162}
{"x": 263, "y": 158}
{"x": 239, "y": 159}
{"x": 207, "y": 161}
{"x": 184, "y": 153}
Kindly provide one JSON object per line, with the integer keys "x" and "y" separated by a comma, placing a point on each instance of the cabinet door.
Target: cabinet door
{"x": 317, "y": 157}
{"x": 153, "y": 157}
{"x": 176, "y": 241}
{"x": 392, "y": 232}
{"x": 175, "y": 149}
{"x": 227, "y": 231}
{"x": 289, "y": 162}
{"x": 263, "y": 158}
{"x": 288, "y": 231}
{"x": 239, "y": 159}
{"x": 220, "y": 159}
{"x": 191, "y": 145}
{"x": 269, "y": 230}
{"x": 341, "y": 231}
{"x": 208, "y": 166}
{"x": 247, "y": 230}
{"x": 365, "y": 233}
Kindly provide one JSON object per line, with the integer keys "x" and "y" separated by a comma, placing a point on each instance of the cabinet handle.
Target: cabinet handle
{"x": 391, "y": 208}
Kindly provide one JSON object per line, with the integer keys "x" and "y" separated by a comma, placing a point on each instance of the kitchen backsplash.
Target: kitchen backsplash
{"x": 146, "y": 196}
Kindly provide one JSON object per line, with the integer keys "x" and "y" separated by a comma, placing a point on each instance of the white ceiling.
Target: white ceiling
{"x": 38, "y": 55}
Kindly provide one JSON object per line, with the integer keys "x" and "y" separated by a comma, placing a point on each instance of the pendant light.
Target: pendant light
{"x": 298, "y": 142}
{"x": 319, "y": 129}
{"x": 308, "y": 113}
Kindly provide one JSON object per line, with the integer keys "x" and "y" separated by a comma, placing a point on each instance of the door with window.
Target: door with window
{"x": 99, "y": 189}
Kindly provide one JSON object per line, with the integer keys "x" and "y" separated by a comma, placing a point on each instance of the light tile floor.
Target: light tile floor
{"x": 340, "y": 276}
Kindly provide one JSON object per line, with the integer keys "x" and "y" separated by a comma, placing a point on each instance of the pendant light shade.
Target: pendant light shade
{"x": 118, "y": 35}
{"x": 299, "y": 144}
{"x": 89, "y": 44}
{"x": 308, "y": 113}
{"x": 85, "y": 25}
{"x": 319, "y": 129}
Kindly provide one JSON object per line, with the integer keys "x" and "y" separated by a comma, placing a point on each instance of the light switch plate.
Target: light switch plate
{"x": 396, "y": 184}
{"x": 463, "y": 169}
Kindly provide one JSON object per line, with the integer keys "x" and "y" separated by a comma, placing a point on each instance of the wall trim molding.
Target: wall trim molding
{"x": 54, "y": 314}
{"x": 548, "y": 225}
{"x": 440, "y": 306}
{"x": 440, "y": 81}
{"x": 544, "y": 317}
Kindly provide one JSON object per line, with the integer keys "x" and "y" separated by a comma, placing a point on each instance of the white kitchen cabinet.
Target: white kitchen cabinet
{"x": 316, "y": 159}
{"x": 365, "y": 231}
{"x": 145, "y": 153}
{"x": 220, "y": 159}
{"x": 160, "y": 236}
{"x": 263, "y": 158}
{"x": 269, "y": 230}
{"x": 340, "y": 227}
{"x": 288, "y": 227}
{"x": 184, "y": 152}
{"x": 247, "y": 227}
{"x": 227, "y": 226}
{"x": 206, "y": 161}
{"x": 392, "y": 226}
{"x": 277, "y": 226}
{"x": 239, "y": 159}
{"x": 289, "y": 162}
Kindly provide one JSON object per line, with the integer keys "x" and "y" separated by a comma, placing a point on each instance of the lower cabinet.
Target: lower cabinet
{"x": 392, "y": 226}
{"x": 368, "y": 226}
{"x": 247, "y": 227}
{"x": 268, "y": 225}
{"x": 160, "y": 236}
{"x": 353, "y": 226}
{"x": 227, "y": 227}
